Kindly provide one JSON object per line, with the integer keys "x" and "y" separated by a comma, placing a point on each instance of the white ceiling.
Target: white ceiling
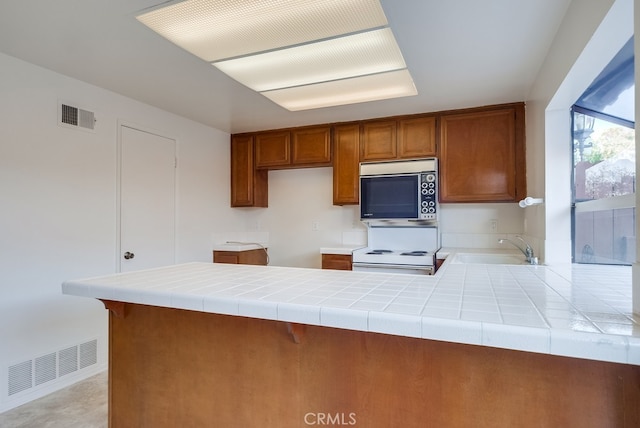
{"x": 461, "y": 53}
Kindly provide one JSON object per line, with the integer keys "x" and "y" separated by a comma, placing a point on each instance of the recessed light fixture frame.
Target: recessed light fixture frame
{"x": 285, "y": 47}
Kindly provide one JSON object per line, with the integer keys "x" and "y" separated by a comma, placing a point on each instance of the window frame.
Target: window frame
{"x": 605, "y": 204}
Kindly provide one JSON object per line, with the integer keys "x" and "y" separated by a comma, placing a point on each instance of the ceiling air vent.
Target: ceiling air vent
{"x": 75, "y": 117}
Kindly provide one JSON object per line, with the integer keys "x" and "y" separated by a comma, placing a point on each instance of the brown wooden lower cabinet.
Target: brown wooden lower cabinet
{"x": 249, "y": 257}
{"x": 336, "y": 261}
{"x": 171, "y": 367}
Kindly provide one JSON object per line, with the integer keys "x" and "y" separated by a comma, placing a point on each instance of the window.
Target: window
{"x": 604, "y": 179}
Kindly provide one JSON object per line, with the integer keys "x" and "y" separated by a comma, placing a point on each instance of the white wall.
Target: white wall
{"x": 470, "y": 225}
{"x": 299, "y": 198}
{"x": 58, "y": 210}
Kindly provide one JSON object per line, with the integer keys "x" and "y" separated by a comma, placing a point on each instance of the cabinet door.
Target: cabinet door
{"x": 228, "y": 257}
{"x": 248, "y": 186}
{"x": 417, "y": 137}
{"x": 253, "y": 257}
{"x": 272, "y": 149}
{"x": 378, "y": 141}
{"x": 346, "y": 166}
{"x": 311, "y": 146}
{"x": 482, "y": 155}
{"x": 336, "y": 261}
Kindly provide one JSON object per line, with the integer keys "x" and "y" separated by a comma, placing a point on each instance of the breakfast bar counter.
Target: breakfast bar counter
{"x": 202, "y": 344}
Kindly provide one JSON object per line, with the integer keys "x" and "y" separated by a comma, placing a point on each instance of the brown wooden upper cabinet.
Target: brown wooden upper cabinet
{"x": 273, "y": 149}
{"x": 378, "y": 141}
{"x": 311, "y": 146}
{"x": 346, "y": 164}
{"x": 298, "y": 147}
{"x": 408, "y": 138}
{"x": 417, "y": 137}
{"x": 482, "y": 155}
{"x": 248, "y": 186}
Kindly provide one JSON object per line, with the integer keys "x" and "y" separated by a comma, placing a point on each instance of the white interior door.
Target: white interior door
{"x": 147, "y": 200}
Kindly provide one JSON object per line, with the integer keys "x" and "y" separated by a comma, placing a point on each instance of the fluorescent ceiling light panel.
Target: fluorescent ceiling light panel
{"x": 374, "y": 87}
{"x": 301, "y": 54}
{"x": 221, "y": 29}
{"x": 355, "y": 55}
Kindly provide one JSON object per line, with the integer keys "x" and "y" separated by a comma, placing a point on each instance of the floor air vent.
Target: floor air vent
{"x": 68, "y": 361}
{"x": 20, "y": 377}
{"x": 75, "y": 117}
{"x": 88, "y": 354}
{"x": 43, "y": 369}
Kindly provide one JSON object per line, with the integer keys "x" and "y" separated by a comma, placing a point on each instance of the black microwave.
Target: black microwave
{"x": 399, "y": 190}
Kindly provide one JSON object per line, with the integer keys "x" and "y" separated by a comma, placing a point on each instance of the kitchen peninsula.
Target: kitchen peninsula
{"x": 203, "y": 344}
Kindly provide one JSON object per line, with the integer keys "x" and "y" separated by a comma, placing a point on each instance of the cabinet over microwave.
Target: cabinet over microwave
{"x": 399, "y": 190}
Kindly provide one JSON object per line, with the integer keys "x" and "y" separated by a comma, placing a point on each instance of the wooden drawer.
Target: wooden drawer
{"x": 336, "y": 261}
{"x": 249, "y": 257}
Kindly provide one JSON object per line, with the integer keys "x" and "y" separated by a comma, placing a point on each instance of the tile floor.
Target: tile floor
{"x": 81, "y": 405}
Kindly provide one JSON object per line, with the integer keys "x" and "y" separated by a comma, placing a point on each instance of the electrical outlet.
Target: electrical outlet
{"x": 493, "y": 225}
{"x": 315, "y": 226}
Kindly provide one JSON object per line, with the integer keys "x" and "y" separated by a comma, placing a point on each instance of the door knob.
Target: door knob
{"x": 129, "y": 255}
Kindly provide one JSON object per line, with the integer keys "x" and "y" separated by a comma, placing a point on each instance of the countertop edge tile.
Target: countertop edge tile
{"x": 520, "y": 338}
{"x": 346, "y": 250}
{"x": 633, "y": 352}
{"x": 239, "y": 247}
{"x": 154, "y": 298}
{"x": 192, "y": 303}
{"x": 72, "y": 288}
{"x": 397, "y": 324}
{"x": 452, "y": 330}
{"x": 258, "y": 309}
{"x": 348, "y": 319}
{"x": 592, "y": 346}
{"x": 221, "y": 305}
{"x": 304, "y": 314}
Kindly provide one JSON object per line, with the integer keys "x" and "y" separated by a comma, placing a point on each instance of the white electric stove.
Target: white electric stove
{"x": 409, "y": 250}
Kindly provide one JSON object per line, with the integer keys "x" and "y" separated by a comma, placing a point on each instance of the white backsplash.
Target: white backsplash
{"x": 261, "y": 238}
{"x": 481, "y": 219}
{"x": 404, "y": 238}
{"x": 354, "y": 237}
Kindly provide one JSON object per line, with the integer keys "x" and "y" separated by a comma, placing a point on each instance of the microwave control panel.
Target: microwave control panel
{"x": 428, "y": 196}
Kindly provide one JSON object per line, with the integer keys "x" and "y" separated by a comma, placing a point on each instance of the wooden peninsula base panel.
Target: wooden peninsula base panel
{"x": 171, "y": 367}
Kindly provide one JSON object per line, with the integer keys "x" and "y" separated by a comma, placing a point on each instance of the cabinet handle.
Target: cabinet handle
{"x": 129, "y": 255}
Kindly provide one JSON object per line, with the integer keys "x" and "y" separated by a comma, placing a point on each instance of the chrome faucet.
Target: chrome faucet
{"x": 527, "y": 251}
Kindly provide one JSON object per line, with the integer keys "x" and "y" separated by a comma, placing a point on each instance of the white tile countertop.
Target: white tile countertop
{"x": 238, "y": 246}
{"x": 343, "y": 250}
{"x": 581, "y": 311}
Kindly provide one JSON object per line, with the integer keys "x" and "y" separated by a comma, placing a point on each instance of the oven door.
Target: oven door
{"x": 390, "y": 197}
{"x": 392, "y": 268}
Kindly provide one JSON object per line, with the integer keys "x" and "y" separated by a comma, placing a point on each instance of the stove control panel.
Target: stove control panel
{"x": 428, "y": 196}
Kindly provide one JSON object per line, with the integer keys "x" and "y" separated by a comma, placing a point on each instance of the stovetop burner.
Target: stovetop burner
{"x": 380, "y": 252}
{"x": 395, "y": 257}
{"x": 403, "y": 253}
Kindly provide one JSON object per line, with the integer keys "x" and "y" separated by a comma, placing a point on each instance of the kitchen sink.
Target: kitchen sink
{"x": 489, "y": 259}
